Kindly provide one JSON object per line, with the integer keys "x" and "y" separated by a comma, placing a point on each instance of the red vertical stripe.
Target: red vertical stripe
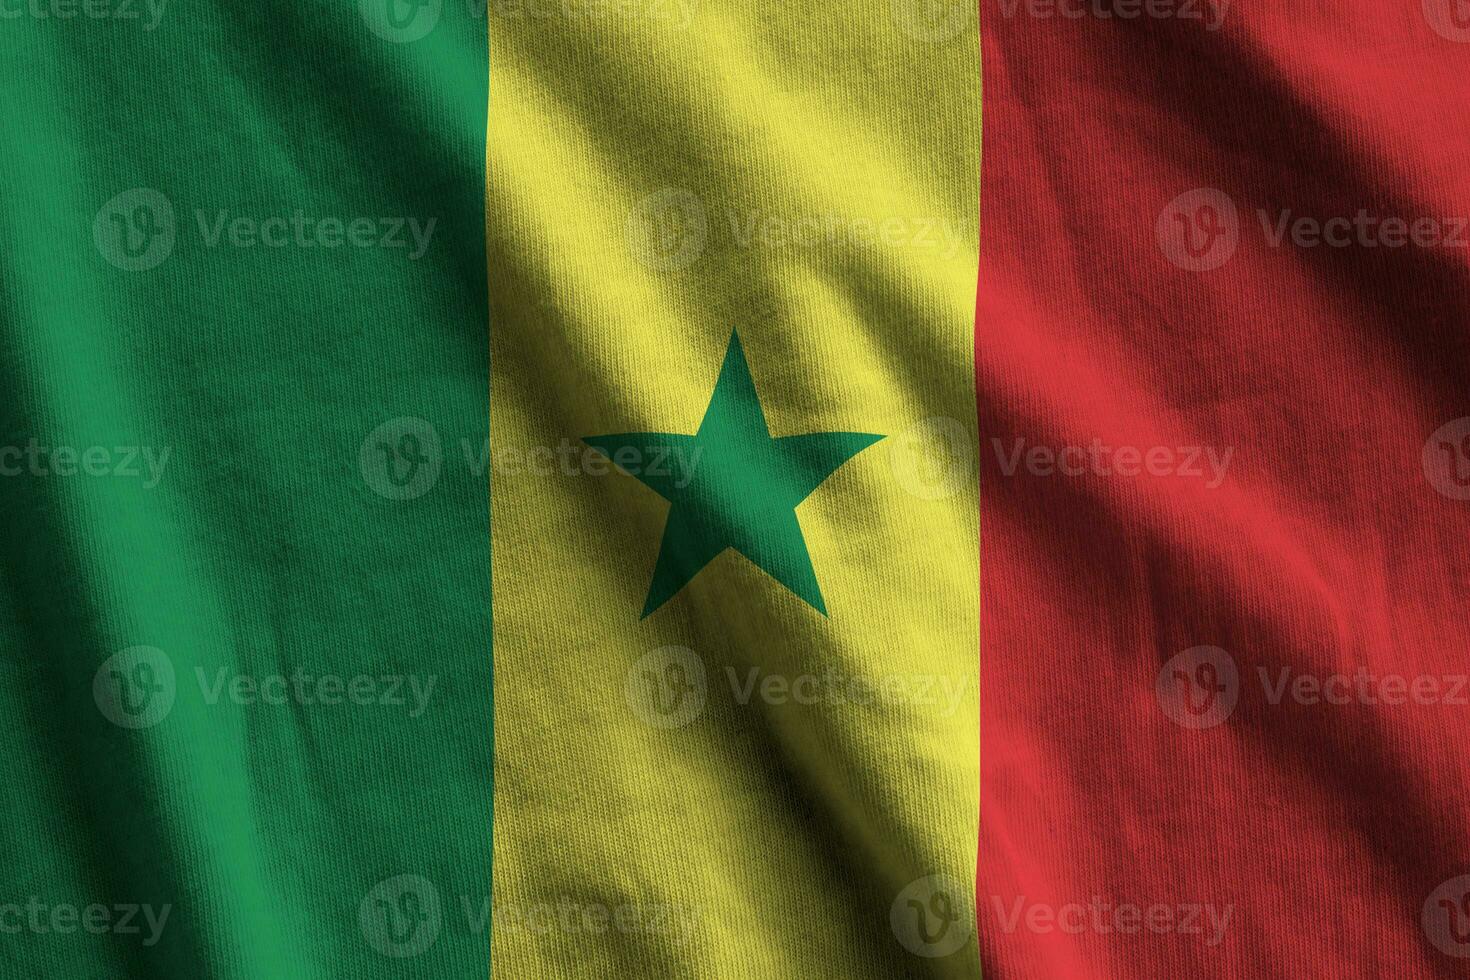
{"x": 1223, "y": 360}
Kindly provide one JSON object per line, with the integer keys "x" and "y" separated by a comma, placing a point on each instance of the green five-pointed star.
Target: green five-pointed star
{"x": 732, "y": 485}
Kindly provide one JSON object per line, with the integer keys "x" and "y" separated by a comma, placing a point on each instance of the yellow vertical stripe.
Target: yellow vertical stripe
{"x": 735, "y": 785}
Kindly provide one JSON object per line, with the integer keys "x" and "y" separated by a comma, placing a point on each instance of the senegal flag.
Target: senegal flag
{"x": 495, "y": 488}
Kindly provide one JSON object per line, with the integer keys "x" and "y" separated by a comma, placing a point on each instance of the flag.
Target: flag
{"x": 732, "y": 260}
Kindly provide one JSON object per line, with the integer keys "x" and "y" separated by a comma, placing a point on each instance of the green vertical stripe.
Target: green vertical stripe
{"x": 222, "y": 349}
